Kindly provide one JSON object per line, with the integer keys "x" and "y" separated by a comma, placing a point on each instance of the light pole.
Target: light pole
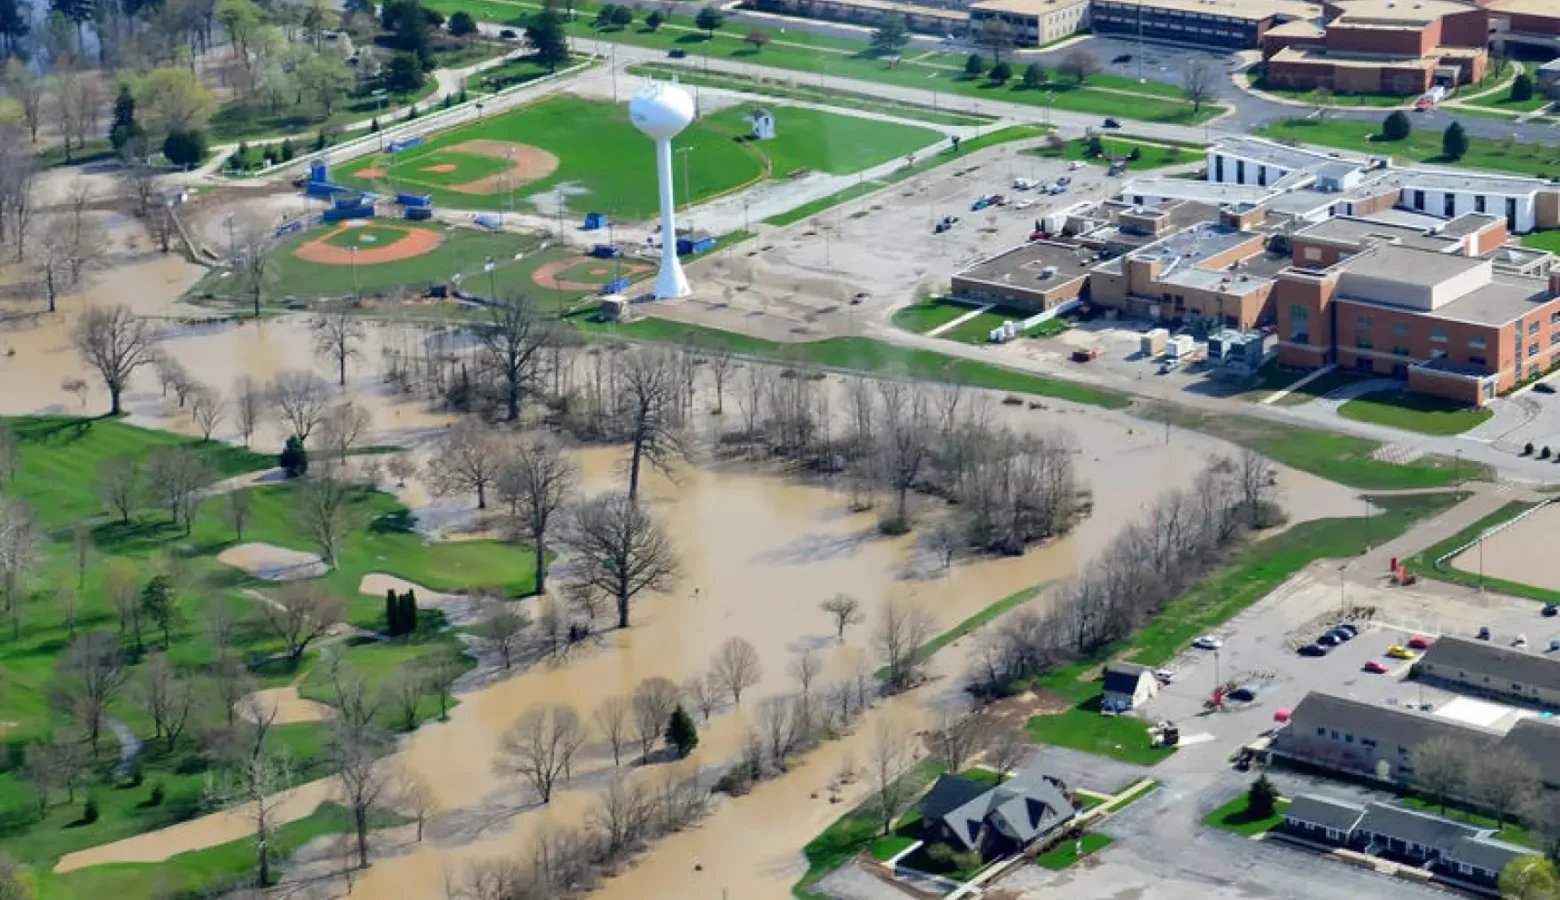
{"x": 356, "y": 292}
{"x": 1481, "y": 559}
{"x": 1458, "y": 470}
{"x": 1342, "y": 603}
{"x": 1367, "y": 526}
{"x": 491, "y": 268}
{"x": 687, "y": 194}
{"x": 379, "y": 96}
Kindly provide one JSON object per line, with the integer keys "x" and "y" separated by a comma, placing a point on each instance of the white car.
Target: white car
{"x": 1164, "y": 676}
{"x": 1076, "y": 165}
{"x": 1207, "y": 642}
{"x": 1024, "y": 203}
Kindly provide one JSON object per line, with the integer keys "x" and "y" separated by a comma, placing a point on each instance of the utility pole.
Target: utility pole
{"x": 357, "y": 294}
{"x": 1140, "y": 41}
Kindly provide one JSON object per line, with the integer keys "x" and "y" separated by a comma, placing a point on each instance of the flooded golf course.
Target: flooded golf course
{"x": 759, "y": 550}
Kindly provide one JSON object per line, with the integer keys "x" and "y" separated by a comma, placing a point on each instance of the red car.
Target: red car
{"x": 1375, "y": 668}
{"x": 1419, "y": 643}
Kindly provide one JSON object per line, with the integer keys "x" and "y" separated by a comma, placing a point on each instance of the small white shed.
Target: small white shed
{"x": 763, "y": 122}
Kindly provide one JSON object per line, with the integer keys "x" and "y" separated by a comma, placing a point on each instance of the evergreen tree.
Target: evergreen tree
{"x": 185, "y": 148}
{"x": 1454, "y": 142}
{"x": 1262, "y": 799}
{"x": 975, "y": 64}
{"x": 1396, "y": 127}
{"x": 392, "y": 612}
{"x": 546, "y": 34}
{"x": 1034, "y": 75}
{"x": 14, "y": 25}
{"x": 1522, "y": 88}
{"x": 891, "y": 35}
{"x": 294, "y": 460}
{"x": 124, "y": 129}
{"x": 408, "y": 612}
{"x": 1001, "y": 72}
{"x": 681, "y": 734}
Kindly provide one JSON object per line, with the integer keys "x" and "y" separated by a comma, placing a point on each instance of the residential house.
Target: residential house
{"x": 1127, "y": 686}
{"x": 970, "y": 815}
{"x": 1450, "y": 849}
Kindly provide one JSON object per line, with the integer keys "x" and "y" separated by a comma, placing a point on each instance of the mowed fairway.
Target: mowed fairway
{"x": 824, "y": 141}
{"x": 604, "y": 163}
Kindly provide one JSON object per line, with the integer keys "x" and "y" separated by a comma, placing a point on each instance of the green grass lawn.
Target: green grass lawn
{"x": 977, "y": 331}
{"x": 921, "y": 317}
{"x": 198, "y": 873}
{"x": 1154, "y": 155}
{"x": 1236, "y": 816}
{"x": 886, "y": 848}
{"x": 819, "y": 57}
{"x": 1424, "y": 565}
{"x": 238, "y": 121}
{"x": 1084, "y": 728}
{"x": 791, "y": 89}
{"x": 462, "y": 250}
{"x": 817, "y": 140}
{"x": 368, "y": 236}
{"x": 1543, "y": 240}
{"x": 420, "y": 174}
{"x": 852, "y": 832}
{"x": 508, "y": 74}
{"x": 1064, "y": 854}
{"x": 1336, "y": 457}
{"x": 595, "y": 144}
{"x": 1254, "y": 77}
{"x": 1501, "y": 100}
{"x": 1421, "y": 146}
{"x": 1412, "y": 411}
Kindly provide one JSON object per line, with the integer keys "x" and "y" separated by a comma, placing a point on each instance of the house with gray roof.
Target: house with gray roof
{"x": 1503, "y": 673}
{"x": 1450, "y": 849}
{"x": 994, "y": 820}
{"x": 1127, "y": 686}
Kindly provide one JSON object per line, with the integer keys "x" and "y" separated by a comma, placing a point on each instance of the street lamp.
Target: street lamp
{"x": 490, "y": 267}
{"x": 687, "y": 195}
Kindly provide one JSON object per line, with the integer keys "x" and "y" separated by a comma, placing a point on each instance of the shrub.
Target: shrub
{"x": 1095, "y": 147}
{"x": 1134, "y": 154}
{"x": 89, "y": 813}
{"x": 373, "y": 125}
{"x": 138, "y": 775}
{"x": 294, "y": 459}
{"x": 158, "y": 794}
{"x": 893, "y": 525}
{"x": 942, "y": 854}
{"x": 288, "y": 151}
{"x": 1262, "y": 799}
{"x": 461, "y": 23}
{"x": 185, "y": 147}
{"x": 1544, "y": 453}
{"x": 975, "y": 65}
{"x": 1522, "y": 88}
{"x": 1034, "y": 75}
{"x": 1001, "y": 72}
{"x": 1454, "y": 141}
{"x": 1527, "y": 449}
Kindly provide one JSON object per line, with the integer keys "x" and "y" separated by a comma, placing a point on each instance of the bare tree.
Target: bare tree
{"x": 337, "y": 335}
{"x": 533, "y": 484}
{"x": 620, "y": 816}
{"x": 466, "y": 461}
{"x": 403, "y": 693}
{"x": 237, "y": 507}
{"x": 1005, "y": 752}
{"x": 1199, "y": 83}
{"x": 888, "y": 759}
{"x": 341, "y": 433}
{"x": 121, "y": 582}
{"x": 231, "y": 683}
{"x": 804, "y": 668}
{"x": 619, "y": 550}
{"x": 357, "y": 751}
{"x": 1503, "y": 780}
{"x": 735, "y": 667}
{"x": 1441, "y": 768}
{"x": 845, "y": 610}
{"x": 167, "y": 696}
{"x": 251, "y": 255}
{"x": 704, "y": 693}
{"x": 905, "y": 447}
{"x": 511, "y": 339}
{"x": 89, "y": 679}
{"x": 176, "y": 477}
{"x": 1079, "y": 64}
{"x": 416, "y": 797}
{"x": 650, "y": 407}
{"x": 255, "y": 781}
{"x": 10, "y": 453}
{"x": 777, "y": 727}
{"x": 653, "y": 702}
{"x": 954, "y": 738}
{"x": 301, "y": 400}
{"x": 401, "y": 467}
{"x": 300, "y": 613}
{"x": 612, "y": 717}
{"x": 208, "y": 409}
{"x": 540, "y": 747}
{"x": 21, "y": 551}
{"x": 321, "y": 504}
{"x": 115, "y": 342}
{"x": 499, "y": 629}
{"x": 249, "y": 401}
{"x": 904, "y": 627}
{"x": 721, "y": 363}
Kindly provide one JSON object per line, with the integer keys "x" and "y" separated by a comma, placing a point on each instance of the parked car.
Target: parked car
{"x": 1419, "y": 643}
{"x": 1375, "y": 668}
{"x": 1024, "y": 203}
{"x": 1164, "y": 676}
{"x": 1328, "y": 640}
{"x": 1121, "y": 60}
{"x": 1313, "y": 650}
{"x": 1484, "y": 633}
{"x": 1544, "y": 387}
{"x": 1112, "y": 123}
{"x": 1550, "y": 610}
{"x": 1207, "y": 642}
{"x": 508, "y": 34}
{"x": 1397, "y": 652}
{"x": 1064, "y": 180}
{"x": 1341, "y": 635}
{"x": 1350, "y": 627}
{"x": 1554, "y": 644}
{"x": 1075, "y": 165}
{"x": 1519, "y": 641}
{"x": 677, "y": 53}
{"x": 1242, "y": 694}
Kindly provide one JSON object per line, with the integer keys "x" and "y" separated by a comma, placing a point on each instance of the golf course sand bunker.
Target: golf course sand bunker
{"x": 413, "y": 242}
{"x": 526, "y": 164}
{"x": 290, "y": 707}
{"x": 1518, "y": 553}
{"x": 273, "y": 563}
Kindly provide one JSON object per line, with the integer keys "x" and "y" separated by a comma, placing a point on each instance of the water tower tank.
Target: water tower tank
{"x": 661, "y": 110}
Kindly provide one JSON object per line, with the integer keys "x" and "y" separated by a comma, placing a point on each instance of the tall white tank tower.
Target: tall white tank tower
{"x": 661, "y": 111}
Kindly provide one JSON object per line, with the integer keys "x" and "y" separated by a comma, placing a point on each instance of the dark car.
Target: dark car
{"x": 1328, "y": 640}
{"x": 508, "y": 34}
{"x": 1340, "y": 634}
{"x": 1484, "y": 633}
{"x": 1544, "y": 387}
{"x": 1242, "y": 694}
{"x": 1550, "y": 610}
{"x": 1349, "y": 627}
{"x": 1313, "y": 650}
{"x": 1122, "y": 59}
{"x": 1112, "y": 123}
{"x": 677, "y": 53}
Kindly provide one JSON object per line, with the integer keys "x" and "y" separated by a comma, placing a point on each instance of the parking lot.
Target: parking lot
{"x": 847, "y": 269}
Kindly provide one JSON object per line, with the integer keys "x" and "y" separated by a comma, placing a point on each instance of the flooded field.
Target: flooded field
{"x": 759, "y": 551}
{"x": 1517, "y": 553}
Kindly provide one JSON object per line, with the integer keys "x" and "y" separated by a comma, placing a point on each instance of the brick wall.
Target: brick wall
{"x": 1344, "y": 37}
{"x": 1466, "y": 29}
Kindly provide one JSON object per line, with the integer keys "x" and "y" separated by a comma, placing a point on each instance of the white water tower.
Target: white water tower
{"x": 661, "y": 111}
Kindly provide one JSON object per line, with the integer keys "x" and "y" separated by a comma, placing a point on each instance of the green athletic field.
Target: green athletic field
{"x": 605, "y": 164}
{"x": 364, "y": 237}
{"x": 468, "y": 168}
{"x": 825, "y": 141}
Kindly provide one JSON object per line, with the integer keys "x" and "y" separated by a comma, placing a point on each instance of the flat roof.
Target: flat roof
{"x": 1255, "y": 10}
{"x": 1265, "y": 151}
{"x": 1022, "y": 265}
{"x": 1527, "y": 7}
{"x": 1463, "y": 180}
{"x": 952, "y": 15}
{"x": 1299, "y": 28}
{"x": 1468, "y": 223}
{"x": 1505, "y": 299}
{"x": 1189, "y": 189}
{"x": 1353, "y": 60}
{"x": 1360, "y": 231}
{"x": 1409, "y": 265}
{"x": 1192, "y": 245}
{"x": 1024, "y": 7}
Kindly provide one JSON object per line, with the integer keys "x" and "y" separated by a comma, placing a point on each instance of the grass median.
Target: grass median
{"x": 1236, "y": 816}
{"x": 1412, "y": 411}
{"x": 1534, "y": 159}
